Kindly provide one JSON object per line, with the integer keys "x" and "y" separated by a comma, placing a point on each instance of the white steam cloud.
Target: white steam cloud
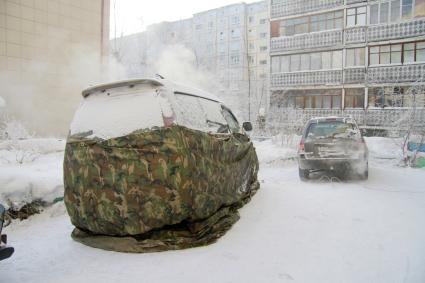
{"x": 46, "y": 92}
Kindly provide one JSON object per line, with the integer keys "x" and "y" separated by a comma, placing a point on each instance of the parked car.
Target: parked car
{"x": 333, "y": 144}
{"x": 5, "y": 251}
{"x": 146, "y": 155}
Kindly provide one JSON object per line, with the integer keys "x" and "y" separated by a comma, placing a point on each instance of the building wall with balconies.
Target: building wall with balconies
{"x": 380, "y": 44}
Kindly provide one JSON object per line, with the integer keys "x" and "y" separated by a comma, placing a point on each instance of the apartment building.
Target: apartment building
{"x": 43, "y": 44}
{"x": 230, "y": 42}
{"x": 357, "y": 57}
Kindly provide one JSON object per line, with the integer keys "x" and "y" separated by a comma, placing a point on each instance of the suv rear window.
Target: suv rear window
{"x": 332, "y": 129}
{"x": 117, "y": 113}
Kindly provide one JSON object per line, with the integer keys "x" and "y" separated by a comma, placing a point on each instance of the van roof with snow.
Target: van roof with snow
{"x": 119, "y": 108}
{"x": 153, "y": 83}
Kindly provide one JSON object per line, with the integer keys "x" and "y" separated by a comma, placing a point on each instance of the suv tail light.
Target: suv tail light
{"x": 301, "y": 147}
{"x": 3, "y": 239}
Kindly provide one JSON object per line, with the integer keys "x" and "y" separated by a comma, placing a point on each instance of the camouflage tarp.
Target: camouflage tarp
{"x": 166, "y": 188}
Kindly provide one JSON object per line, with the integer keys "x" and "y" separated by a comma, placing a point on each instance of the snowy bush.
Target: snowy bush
{"x": 11, "y": 129}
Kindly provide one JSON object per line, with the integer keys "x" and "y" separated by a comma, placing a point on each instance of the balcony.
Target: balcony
{"x": 285, "y": 8}
{"x": 355, "y": 35}
{"x": 396, "y": 74}
{"x": 308, "y": 40}
{"x": 355, "y": 75}
{"x": 385, "y": 119}
{"x": 396, "y": 30}
{"x": 311, "y": 78}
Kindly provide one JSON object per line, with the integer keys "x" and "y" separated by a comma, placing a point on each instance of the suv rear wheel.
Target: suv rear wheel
{"x": 304, "y": 174}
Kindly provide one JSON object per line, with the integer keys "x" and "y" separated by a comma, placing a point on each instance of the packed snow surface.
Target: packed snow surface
{"x": 292, "y": 231}
{"x": 30, "y": 169}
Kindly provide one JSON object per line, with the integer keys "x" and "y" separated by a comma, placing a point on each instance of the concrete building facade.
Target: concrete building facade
{"x": 357, "y": 57}
{"x": 46, "y": 47}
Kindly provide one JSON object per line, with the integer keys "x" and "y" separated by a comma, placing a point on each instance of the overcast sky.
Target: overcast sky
{"x": 135, "y": 15}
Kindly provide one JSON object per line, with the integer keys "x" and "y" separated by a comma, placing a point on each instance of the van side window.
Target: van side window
{"x": 231, "y": 120}
{"x": 214, "y": 117}
{"x": 190, "y": 113}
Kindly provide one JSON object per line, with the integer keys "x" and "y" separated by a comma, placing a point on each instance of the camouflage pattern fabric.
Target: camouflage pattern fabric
{"x": 159, "y": 189}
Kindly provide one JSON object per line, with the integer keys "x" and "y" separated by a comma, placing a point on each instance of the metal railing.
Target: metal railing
{"x": 381, "y": 119}
{"x": 376, "y": 75}
{"x": 291, "y": 7}
{"x": 355, "y": 35}
{"x": 318, "y": 77}
{"x": 395, "y": 74}
{"x": 355, "y": 75}
{"x": 415, "y": 27}
{"x": 307, "y": 40}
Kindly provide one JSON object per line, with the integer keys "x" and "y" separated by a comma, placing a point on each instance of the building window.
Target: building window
{"x": 307, "y": 62}
{"x": 356, "y": 16}
{"x": 251, "y": 59}
{"x": 234, "y": 59}
{"x": 396, "y": 10}
{"x": 235, "y": 33}
{"x": 397, "y": 53}
{"x": 327, "y": 21}
{"x": 354, "y": 98}
{"x": 251, "y": 46}
{"x": 275, "y": 64}
{"x": 235, "y": 20}
{"x": 406, "y": 9}
{"x": 198, "y": 27}
{"x": 321, "y": 99}
{"x": 264, "y": 21}
{"x": 251, "y": 19}
{"x": 419, "y": 8}
{"x": 222, "y": 57}
{"x": 263, "y": 34}
{"x": 263, "y": 62}
{"x": 263, "y": 48}
{"x": 355, "y": 57}
{"x": 381, "y": 97}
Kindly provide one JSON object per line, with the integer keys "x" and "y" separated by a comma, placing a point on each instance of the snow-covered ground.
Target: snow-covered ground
{"x": 370, "y": 231}
{"x": 30, "y": 169}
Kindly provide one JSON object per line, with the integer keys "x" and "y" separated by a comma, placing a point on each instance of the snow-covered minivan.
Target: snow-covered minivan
{"x": 165, "y": 164}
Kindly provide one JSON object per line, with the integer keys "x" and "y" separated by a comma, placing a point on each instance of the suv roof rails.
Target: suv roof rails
{"x": 102, "y": 87}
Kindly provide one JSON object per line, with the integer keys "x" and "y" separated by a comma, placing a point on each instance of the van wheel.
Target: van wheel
{"x": 304, "y": 174}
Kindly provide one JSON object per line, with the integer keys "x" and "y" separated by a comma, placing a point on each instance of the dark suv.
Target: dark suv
{"x": 333, "y": 144}
{"x": 5, "y": 252}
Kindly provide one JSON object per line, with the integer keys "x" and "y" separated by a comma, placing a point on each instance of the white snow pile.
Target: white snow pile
{"x": 385, "y": 149}
{"x": 30, "y": 169}
{"x": 278, "y": 150}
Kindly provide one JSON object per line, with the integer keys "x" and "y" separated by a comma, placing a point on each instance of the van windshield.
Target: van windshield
{"x": 117, "y": 113}
{"x": 332, "y": 129}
